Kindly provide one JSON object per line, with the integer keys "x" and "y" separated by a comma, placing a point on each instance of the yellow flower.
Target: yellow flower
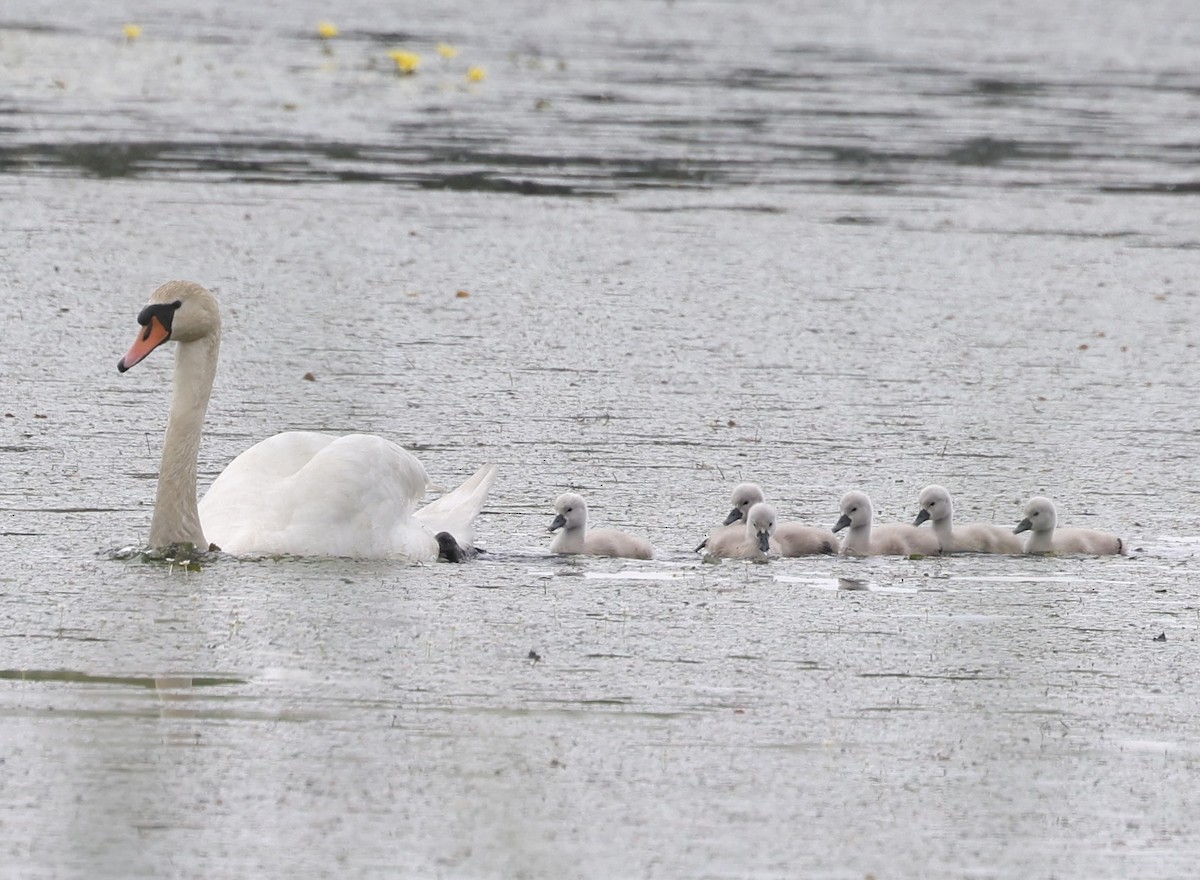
{"x": 446, "y": 50}
{"x": 132, "y": 31}
{"x": 327, "y": 30}
{"x": 475, "y": 74}
{"x": 406, "y": 62}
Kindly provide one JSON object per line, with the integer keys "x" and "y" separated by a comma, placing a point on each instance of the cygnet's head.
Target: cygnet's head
{"x": 744, "y": 496}
{"x": 181, "y": 311}
{"x": 760, "y": 522}
{"x": 856, "y": 510}
{"x": 1039, "y": 514}
{"x": 571, "y": 512}
{"x": 935, "y": 504}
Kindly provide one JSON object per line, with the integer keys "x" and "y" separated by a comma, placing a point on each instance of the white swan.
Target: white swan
{"x": 754, "y": 540}
{"x": 937, "y": 507}
{"x": 893, "y": 539}
{"x": 571, "y": 517}
{"x": 1040, "y": 520}
{"x": 788, "y": 539}
{"x": 297, "y": 493}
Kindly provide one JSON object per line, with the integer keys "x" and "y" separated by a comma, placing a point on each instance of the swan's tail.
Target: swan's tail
{"x": 455, "y": 511}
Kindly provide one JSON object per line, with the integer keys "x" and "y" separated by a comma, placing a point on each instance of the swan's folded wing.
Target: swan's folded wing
{"x": 353, "y": 497}
{"x": 455, "y": 511}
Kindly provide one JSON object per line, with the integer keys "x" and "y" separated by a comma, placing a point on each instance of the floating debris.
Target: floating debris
{"x": 406, "y": 62}
{"x": 327, "y": 30}
{"x": 132, "y": 31}
{"x": 476, "y": 74}
{"x": 446, "y": 50}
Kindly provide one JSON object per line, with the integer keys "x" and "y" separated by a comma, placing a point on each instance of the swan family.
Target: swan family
{"x": 305, "y": 493}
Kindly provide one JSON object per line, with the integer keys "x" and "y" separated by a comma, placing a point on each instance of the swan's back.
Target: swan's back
{"x": 302, "y": 493}
{"x": 983, "y": 538}
{"x": 612, "y": 542}
{"x": 901, "y": 539}
{"x": 1091, "y": 542}
{"x": 794, "y": 539}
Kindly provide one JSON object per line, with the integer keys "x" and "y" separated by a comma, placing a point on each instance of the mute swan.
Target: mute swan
{"x": 1040, "y": 521}
{"x": 892, "y": 539}
{"x": 755, "y": 540}
{"x": 937, "y": 507}
{"x": 297, "y": 493}
{"x": 575, "y": 537}
{"x": 788, "y": 539}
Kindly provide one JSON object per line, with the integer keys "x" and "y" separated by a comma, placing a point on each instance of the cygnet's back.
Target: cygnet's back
{"x": 936, "y": 506}
{"x": 1041, "y": 521}
{"x": 575, "y": 537}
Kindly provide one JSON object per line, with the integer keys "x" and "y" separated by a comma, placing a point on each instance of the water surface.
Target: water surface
{"x": 827, "y": 248}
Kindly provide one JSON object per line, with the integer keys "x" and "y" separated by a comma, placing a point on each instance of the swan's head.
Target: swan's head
{"x": 1040, "y": 516}
{"x": 935, "y": 504}
{"x": 179, "y": 310}
{"x": 745, "y": 496}
{"x": 571, "y": 512}
{"x": 856, "y": 511}
{"x": 760, "y": 523}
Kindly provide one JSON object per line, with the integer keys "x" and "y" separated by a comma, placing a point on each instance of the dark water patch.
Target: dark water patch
{"x": 1184, "y": 188}
{"x": 73, "y": 676}
{"x": 987, "y": 151}
{"x": 993, "y": 87}
{"x": 58, "y": 635}
{"x": 771, "y": 79}
{"x": 482, "y": 181}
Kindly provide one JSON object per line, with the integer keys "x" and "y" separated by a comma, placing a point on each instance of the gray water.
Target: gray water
{"x": 820, "y": 247}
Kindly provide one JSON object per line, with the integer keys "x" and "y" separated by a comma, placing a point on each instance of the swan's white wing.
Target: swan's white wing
{"x": 316, "y": 495}
{"x": 455, "y": 511}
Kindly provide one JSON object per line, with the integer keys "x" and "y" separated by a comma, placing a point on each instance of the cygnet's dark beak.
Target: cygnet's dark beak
{"x": 842, "y": 522}
{"x": 921, "y": 517}
{"x": 559, "y": 522}
{"x": 735, "y": 515}
{"x": 1023, "y": 526}
{"x": 764, "y": 541}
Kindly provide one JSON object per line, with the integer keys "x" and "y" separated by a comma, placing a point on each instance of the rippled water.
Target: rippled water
{"x": 844, "y": 245}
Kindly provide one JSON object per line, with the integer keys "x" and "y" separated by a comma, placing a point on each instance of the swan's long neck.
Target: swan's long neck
{"x": 176, "y": 518}
{"x": 570, "y": 539}
{"x": 944, "y": 529}
{"x": 858, "y": 539}
{"x": 1040, "y": 542}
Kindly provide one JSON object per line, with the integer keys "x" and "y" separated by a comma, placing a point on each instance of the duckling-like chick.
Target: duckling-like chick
{"x": 937, "y": 507}
{"x": 754, "y": 542}
{"x": 892, "y": 539}
{"x": 572, "y": 518}
{"x": 1041, "y": 521}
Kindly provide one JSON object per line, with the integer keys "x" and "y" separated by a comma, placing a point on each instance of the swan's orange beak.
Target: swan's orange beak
{"x": 149, "y": 338}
